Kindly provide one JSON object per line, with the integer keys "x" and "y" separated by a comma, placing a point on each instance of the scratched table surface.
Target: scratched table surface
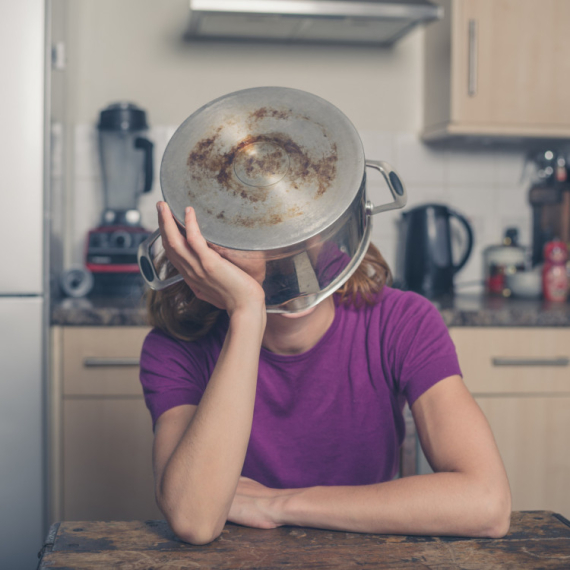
{"x": 537, "y": 539}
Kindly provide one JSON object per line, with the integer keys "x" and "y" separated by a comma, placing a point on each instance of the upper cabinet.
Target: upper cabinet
{"x": 498, "y": 68}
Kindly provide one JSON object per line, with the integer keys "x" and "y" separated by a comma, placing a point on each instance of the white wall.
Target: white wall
{"x": 133, "y": 50}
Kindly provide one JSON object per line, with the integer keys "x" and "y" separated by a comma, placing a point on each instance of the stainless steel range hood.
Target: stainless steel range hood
{"x": 379, "y": 22}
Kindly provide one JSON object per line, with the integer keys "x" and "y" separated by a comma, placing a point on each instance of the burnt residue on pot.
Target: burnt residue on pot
{"x": 268, "y": 112}
{"x": 251, "y": 168}
{"x": 206, "y": 163}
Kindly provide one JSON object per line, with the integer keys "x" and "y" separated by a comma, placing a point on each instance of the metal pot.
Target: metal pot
{"x": 277, "y": 178}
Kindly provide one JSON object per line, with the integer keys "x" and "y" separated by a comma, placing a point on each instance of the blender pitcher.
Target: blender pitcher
{"x": 126, "y": 162}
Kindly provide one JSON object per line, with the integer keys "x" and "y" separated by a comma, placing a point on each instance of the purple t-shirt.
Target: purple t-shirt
{"x": 331, "y": 415}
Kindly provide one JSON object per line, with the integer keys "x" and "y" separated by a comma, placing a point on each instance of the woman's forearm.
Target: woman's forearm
{"x": 200, "y": 478}
{"x": 434, "y": 504}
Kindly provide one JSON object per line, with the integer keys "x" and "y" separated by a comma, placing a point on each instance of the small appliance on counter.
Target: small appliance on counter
{"x": 549, "y": 197}
{"x": 500, "y": 261}
{"x": 554, "y": 274}
{"x": 429, "y": 268}
{"x": 525, "y": 284}
{"x": 127, "y": 170}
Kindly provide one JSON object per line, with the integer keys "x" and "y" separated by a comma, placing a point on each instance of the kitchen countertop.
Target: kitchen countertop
{"x": 483, "y": 311}
{"x": 461, "y": 311}
{"x": 99, "y": 311}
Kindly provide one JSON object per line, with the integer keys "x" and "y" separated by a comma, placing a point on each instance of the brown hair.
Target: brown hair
{"x": 178, "y": 312}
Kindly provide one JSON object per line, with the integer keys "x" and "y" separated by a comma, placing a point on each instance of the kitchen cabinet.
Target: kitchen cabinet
{"x": 498, "y": 68}
{"x": 101, "y": 432}
{"x": 521, "y": 380}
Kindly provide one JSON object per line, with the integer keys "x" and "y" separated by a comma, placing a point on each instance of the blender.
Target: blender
{"x": 127, "y": 172}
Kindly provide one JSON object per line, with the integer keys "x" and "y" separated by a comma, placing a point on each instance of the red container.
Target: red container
{"x": 554, "y": 275}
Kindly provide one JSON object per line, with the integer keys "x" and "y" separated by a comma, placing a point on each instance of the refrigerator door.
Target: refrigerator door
{"x": 21, "y": 435}
{"x": 22, "y": 35}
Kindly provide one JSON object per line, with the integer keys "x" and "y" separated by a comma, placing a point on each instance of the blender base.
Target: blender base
{"x": 117, "y": 285}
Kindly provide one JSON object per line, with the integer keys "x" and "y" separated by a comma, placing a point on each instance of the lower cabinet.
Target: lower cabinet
{"x": 101, "y": 431}
{"x": 533, "y": 435}
{"x": 107, "y": 465}
{"x": 521, "y": 380}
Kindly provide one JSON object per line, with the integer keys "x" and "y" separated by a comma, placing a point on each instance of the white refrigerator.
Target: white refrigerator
{"x": 23, "y": 283}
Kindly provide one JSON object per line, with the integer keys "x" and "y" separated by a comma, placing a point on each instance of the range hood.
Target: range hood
{"x": 379, "y": 22}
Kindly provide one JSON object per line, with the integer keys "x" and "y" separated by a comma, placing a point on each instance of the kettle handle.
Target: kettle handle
{"x": 469, "y": 247}
{"x": 148, "y": 270}
{"x": 394, "y": 183}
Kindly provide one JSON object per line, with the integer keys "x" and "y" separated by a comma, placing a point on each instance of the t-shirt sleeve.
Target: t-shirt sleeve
{"x": 424, "y": 351}
{"x": 171, "y": 373}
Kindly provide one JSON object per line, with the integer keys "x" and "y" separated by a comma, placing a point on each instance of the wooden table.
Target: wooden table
{"x": 537, "y": 539}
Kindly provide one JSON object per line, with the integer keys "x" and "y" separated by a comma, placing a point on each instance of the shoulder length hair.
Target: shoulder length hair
{"x": 179, "y": 313}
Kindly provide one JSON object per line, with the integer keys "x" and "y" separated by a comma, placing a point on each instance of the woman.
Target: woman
{"x": 320, "y": 446}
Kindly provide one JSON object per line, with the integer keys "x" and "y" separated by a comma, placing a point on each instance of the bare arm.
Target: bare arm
{"x": 468, "y": 495}
{"x": 199, "y": 450}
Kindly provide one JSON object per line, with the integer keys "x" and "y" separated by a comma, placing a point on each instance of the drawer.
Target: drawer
{"x": 514, "y": 360}
{"x": 102, "y": 360}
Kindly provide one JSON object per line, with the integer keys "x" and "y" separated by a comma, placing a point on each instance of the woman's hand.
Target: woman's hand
{"x": 256, "y": 505}
{"x": 211, "y": 277}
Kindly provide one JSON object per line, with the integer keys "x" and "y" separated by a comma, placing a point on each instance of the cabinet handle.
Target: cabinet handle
{"x": 104, "y": 362}
{"x": 472, "y": 61}
{"x": 561, "y": 361}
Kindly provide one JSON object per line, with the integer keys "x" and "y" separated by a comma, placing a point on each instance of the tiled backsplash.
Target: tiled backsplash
{"x": 484, "y": 185}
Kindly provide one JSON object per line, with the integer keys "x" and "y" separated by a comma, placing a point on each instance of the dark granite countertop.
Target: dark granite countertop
{"x": 461, "y": 311}
{"x": 483, "y": 311}
{"x": 99, "y": 311}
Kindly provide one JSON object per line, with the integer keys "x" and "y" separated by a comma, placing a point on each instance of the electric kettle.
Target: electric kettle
{"x": 429, "y": 267}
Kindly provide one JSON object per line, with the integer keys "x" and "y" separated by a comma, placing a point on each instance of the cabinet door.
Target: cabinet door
{"x": 511, "y": 63}
{"x": 107, "y": 460}
{"x": 533, "y": 436}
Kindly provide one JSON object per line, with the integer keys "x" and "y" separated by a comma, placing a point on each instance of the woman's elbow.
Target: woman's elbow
{"x": 499, "y": 525}
{"x": 188, "y": 524}
{"x": 193, "y": 533}
{"x": 193, "y": 529}
{"x": 497, "y": 514}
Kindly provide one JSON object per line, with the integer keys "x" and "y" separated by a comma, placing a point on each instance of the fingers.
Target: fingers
{"x": 173, "y": 241}
{"x": 193, "y": 234}
{"x": 190, "y": 254}
{"x": 211, "y": 277}
{"x": 171, "y": 236}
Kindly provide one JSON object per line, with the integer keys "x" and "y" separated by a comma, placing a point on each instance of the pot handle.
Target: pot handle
{"x": 148, "y": 270}
{"x": 394, "y": 183}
